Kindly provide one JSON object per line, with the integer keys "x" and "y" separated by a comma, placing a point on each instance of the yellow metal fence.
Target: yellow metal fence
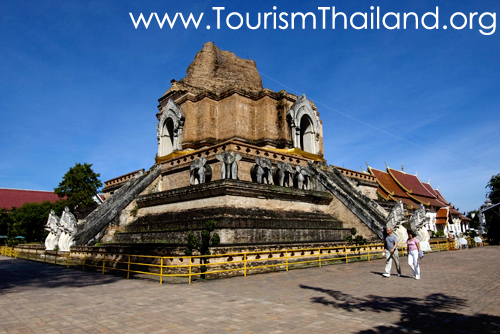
{"x": 189, "y": 267}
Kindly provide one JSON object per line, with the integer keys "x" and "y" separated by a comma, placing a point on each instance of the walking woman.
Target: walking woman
{"x": 414, "y": 254}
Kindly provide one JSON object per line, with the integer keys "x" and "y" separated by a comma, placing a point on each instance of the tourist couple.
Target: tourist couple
{"x": 391, "y": 254}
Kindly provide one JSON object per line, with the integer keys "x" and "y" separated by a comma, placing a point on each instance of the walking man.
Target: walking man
{"x": 391, "y": 253}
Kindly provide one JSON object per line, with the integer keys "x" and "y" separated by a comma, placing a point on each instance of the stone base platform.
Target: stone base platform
{"x": 246, "y": 214}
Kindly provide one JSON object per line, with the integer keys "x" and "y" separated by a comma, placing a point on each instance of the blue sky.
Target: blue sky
{"x": 78, "y": 83}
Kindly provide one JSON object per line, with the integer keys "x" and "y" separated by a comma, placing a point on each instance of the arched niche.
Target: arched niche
{"x": 304, "y": 126}
{"x": 306, "y": 134}
{"x": 169, "y": 129}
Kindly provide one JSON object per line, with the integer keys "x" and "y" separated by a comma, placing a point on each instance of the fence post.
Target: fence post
{"x": 319, "y": 256}
{"x": 84, "y": 258}
{"x": 286, "y": 257}
{"x": 345, "y": 251}
{"x": 45, "y": 256}
{"x": 67, "y": 264}
{"x": 103, "y": 262}
{"x": 36, "y": 254}
{"x": 161, "y": 271}
{"x": 190, "y": 270}
{"x": 128, "y": 267}
{"x": 439, "y": 247}
{"x": 368, "y": 253}
{"x": 245, "y": 264}
{"x": 28, "y": 254}
{"x": 55, "y": 258}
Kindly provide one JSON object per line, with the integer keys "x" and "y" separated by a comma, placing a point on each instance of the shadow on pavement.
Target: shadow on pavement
{"x": 18, "y": 273}
{"x": 432, "y": 314}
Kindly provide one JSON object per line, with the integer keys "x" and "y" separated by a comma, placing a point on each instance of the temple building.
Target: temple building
{"x": 251, "y": 159}
{"x": 247, "y": 157}
{"x": 394, "y": 185}
{"x": 16, "y": 198}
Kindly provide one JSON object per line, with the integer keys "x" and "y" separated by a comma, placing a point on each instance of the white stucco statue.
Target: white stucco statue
{"x": 418, "y": 222}
{"x": 424, "y": 239}
{"x": 395, "y": 221}
{"x": 402, "y": 234}
{"x": 52, "y": 226}
{"x": 68, "y": 226}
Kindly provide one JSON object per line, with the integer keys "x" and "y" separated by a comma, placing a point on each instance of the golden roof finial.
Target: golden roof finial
{"x": 402, "y": 167}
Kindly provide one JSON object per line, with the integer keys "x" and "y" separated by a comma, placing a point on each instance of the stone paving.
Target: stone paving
{"x": 459, "y": 293}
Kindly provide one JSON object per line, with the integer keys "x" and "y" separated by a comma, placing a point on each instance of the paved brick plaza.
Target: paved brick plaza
{"x": 459, "y": 293}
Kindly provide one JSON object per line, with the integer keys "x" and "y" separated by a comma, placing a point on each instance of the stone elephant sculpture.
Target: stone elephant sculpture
{"x": 282, "y": 174}
{"x": 199, "y": 172}
{"x": 262, "y": 170}
{"x": 229, "y": 169}
{"x": 302, "y": 178}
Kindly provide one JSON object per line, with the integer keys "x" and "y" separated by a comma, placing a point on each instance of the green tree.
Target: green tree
{"x": 28, "y": 220}
{"x": 494, "y": 186}
{"x": 6, "y": 224}
{"x": 78, "y": 185}
{"x": 203, "y": 246}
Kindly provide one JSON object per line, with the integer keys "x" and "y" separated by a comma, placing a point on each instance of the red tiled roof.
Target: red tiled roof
{"x": 432, "y": 191}
{"x": 386, "y": 182}
{"x": 15, "y": 198}
{"x": 409, "y": 202}
{"x": 410, "y": 183}
{"x": 428, "y": 201}
{"x": 464, "y": 218}
{"x": 442, "y": 216}
{"x": 440, "y": 197}
{"x": 397, "y": 185}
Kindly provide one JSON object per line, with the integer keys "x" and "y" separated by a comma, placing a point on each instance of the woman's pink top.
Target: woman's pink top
{"x": 412, "y": 244}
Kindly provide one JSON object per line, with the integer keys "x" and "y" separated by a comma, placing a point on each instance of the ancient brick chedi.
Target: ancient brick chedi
{"x": 243, "y": 155}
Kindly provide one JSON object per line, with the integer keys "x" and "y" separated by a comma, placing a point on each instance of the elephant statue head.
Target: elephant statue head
{"x": 199, "y": 172}
{"x": 302, "y": 177}
{"x": 282, "y": 174}
{"x": 229, "y": 169}
{"x": 262, "y": 170}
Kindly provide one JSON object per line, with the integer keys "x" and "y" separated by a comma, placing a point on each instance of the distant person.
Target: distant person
{"x": 391, "y": 253}
{"x": 414, "y": 254}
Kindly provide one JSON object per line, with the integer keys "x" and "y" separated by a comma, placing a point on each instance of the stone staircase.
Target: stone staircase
{"x": 99, "y": 219}
{"x": 366, "y": 209}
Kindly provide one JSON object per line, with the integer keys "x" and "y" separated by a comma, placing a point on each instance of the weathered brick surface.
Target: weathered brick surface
{"x": 459, "y": 293}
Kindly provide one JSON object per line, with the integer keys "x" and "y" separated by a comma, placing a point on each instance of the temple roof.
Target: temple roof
{"x": 397, "y": 185}
{"x": 436, "y": 194}
{"x": 387, "y": 183}
{"x": 440, "y": 197}
{"x": 15, "y": 198}
{"x": 442, "y": 216}
{"x": 410, "y": 183}
{"x": 390, "y": 190}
